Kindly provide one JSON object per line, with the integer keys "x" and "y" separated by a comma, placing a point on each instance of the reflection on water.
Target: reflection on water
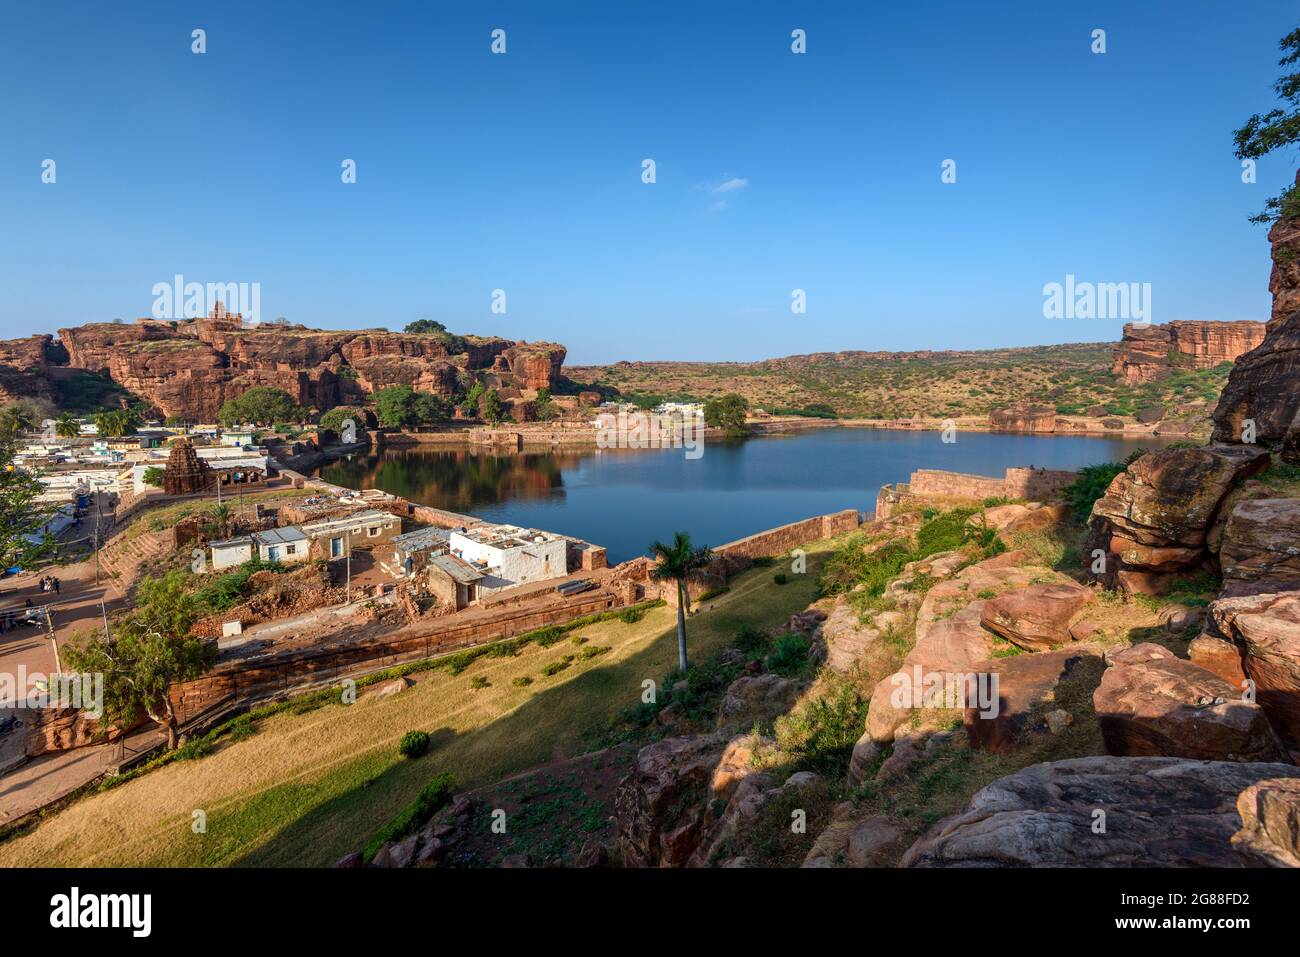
{"x": 625, "y": 499}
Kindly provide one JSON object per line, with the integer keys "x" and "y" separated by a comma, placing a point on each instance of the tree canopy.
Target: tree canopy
{"x": 20, "y": 515}
{"x": 151, "y": 650}
{"x": 261, "y": 405}
{"x": 401, "y": 407}
{"x": 727, "y": 412}
{"x": 1276, "y": 129}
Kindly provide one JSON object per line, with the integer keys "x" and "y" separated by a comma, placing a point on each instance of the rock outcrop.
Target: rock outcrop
{"x": 659, "y": 808}
{"x": 1100, "y": 812}
{"x": 1026, "y": 685}
{"x": 1038, "y": 617}
{"x": 189, "y": 368}
{"x": 1270, "y": 823}
{"x": 1150, "y": 702}
{"x": 1147, "y": 353}
{"x": 1261, "y": 545}
{"x": 1155, "y": 519}
{"x": 1261, "y": 395}
{"x": 1033, "y": 418}
{"x": 1266, "y": 629}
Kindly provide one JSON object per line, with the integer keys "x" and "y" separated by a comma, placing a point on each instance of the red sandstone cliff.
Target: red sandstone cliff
{"x": 190, "y": 368}
{"x": 1147, "y": 353}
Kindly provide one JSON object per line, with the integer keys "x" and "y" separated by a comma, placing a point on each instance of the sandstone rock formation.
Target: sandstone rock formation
{"x": 1266, "y": 628}
{"x": 1284, "y": 280}
{"x": 1153, "y": 703}
{"x": 1261, "y": 544}
{"x": 1159, "y": 812}
{"x": 1026, "y": 685}
{"x": 1038, "y": 617}
{"x": 1270, "y": 823}
{"x": 1147, "y": 353}
{"x": 1155, "y": 518}
{"x": 1262, "y": 389}
{"x": 1033, "y": 418}
{"x": 189, "y": 368}
{"x": 659, "y": 807}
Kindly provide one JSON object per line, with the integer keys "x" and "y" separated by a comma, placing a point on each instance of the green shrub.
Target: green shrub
{"x": 413, "y": 744}
{"x": 554, "y": 668}
{"x": 433, "y": 797}
{"x": 630, "y": 616}
{"x": 714, "y": 592}
{"x": 789, "y": 655}
{"x": 478, "y": 682}
{"x": 751, "y": 640}
{"x": 523, "y": 681}
{"x": 594, "y": 651}
{"x": 1091, "y": 485}
{"x": 780, "y": 578}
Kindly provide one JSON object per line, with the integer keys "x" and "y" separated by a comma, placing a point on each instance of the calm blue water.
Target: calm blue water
{"x": 625, "y": 499}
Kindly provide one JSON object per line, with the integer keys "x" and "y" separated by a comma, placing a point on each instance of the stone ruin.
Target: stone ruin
{"x": 185, "y": 473}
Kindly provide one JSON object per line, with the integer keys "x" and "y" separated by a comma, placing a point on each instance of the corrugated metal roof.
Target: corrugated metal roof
{"x": 459, "y": 569}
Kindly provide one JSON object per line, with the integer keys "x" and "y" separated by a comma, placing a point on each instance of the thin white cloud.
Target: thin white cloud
{"x": 719, "y": 206}
{"x": 731, "y": 185}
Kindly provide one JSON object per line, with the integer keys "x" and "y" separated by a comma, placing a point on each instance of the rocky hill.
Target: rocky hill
{"x": 188, "y": 369}
{"x": 1148, "y": 353}
{"x": 1171, "y": 373}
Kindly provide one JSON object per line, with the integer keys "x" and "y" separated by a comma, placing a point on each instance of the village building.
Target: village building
{"x": 231, "y": 552}
{"x": 284, "y": 545}
{"x": 508, "y": 555}
{"x": 454, "y": 580}
{"x": 413, "y": 551}
{"x": 337, "y": 537}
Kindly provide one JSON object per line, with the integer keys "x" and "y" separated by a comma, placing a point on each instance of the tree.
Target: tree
{"x": 401, "y": 407}
{"x": 727, "y": 413}
{"x": 14, "y": 420}
{"x": 261, "y": 405}
{"x": 150, "y": 652}
{"x": 470, "y": 405}
{"x": 677, "y": 562}
{"x": 22, "y": 542}
{"x": 153, "y": 476}
{"x": 333, "y": 419}
{"x": 428, "y": 408}
{"x": 425, "y": 325}
{"x": 1278, "y": 128}
{"x": 115, "y": 423}
{"x": 66, "y": 426}
{"x": 490, "y": 408}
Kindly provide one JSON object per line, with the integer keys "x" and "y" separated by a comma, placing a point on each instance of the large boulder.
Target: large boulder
{"x": 1270, "y": 823}
{"x": 1267, "y": 629}
{"x": 1261, "y": 543}
{"x": 1100, "y": 812}
{"x": 1026, "y": 684}
{"x": 1150, "y": 702}
{"x": 1038, "y": 617}
{"x": 752, "y": 699}
{"x": 659, "y": 806}
{"x": 1262, "y": 388}
{"x": 1168, "y": 498}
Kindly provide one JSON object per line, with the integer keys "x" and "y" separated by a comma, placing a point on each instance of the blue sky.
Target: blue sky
{"x": 523, "y": 171}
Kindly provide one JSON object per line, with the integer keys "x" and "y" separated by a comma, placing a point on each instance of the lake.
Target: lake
{"x": 623, "y": 499}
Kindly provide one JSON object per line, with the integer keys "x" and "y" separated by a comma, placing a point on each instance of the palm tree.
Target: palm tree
{"x": 677, "y": 562}
{"x": 66, "y": 426}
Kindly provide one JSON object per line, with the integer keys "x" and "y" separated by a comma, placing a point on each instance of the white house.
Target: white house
{"x": 231, "y": 552}
{"x": 509, "y": 555}
{"x": 284, "y": 545}
{"x": 362, "y": 529}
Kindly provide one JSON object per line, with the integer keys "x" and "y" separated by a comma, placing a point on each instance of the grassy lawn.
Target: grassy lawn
{"x": 308, "y": 788}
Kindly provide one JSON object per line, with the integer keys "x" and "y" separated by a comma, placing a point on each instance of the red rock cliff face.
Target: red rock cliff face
{"x": 1284, "y": 281}
{"x": 1034, "y": 418}
{"x": 190, "y": 368}
{"x": 1148, "y": 353}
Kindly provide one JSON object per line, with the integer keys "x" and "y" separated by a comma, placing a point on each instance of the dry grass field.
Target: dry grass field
{"x": 305, "y": 789}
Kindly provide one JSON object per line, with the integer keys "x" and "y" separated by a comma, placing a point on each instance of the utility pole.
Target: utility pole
{"x": 49, "y": 627}
{"x": 104, "y": 611}
{"x": 347, "y": 594}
